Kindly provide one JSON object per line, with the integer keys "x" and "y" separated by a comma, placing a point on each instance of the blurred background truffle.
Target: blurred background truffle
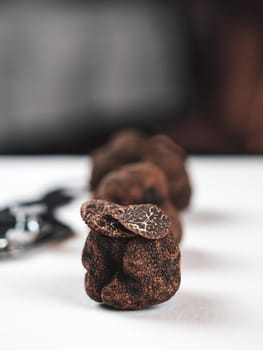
{"x": 131, "y": 146}
{"x": 140, "y": 183}
{"x": 73, "y": 72}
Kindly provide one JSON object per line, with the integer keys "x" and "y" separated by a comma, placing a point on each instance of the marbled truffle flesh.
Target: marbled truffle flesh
{"x": 131, "y": 256}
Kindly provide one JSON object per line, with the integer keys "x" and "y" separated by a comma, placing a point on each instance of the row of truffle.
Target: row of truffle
{"x": 131, "y": 254}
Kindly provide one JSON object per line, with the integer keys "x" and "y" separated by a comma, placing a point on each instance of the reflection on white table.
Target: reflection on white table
{"x": 219, "y": 306}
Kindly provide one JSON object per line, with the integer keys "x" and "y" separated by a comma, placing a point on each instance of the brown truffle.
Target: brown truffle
{"x": 139, "y": 183}
{"x": 131, "y": 256}
{"x": 131, "y": 147}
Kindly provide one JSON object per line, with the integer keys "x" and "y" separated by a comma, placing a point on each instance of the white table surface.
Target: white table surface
{"x": 43, "y": 304}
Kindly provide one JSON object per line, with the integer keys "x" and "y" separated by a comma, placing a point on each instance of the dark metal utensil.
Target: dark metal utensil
{"x": 27, "y": 224}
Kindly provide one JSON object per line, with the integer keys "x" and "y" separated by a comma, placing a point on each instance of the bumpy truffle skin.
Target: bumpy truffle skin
{"x": 123, "y": 148}
{"x": 131, "y": 147}
{"x": 139, "y": 183}
{"x": 133, "y": 272}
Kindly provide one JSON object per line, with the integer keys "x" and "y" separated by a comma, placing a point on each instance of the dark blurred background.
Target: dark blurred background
{"x": 73, "y": 72}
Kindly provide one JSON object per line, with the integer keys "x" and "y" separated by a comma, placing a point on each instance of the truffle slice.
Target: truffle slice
{"x": 112, "y": 220}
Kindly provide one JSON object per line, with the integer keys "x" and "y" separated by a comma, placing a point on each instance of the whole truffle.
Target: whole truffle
{"x": 140, "y": 183}
{"x": 130, "y": 254}
{"x": 131, "y": 147}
